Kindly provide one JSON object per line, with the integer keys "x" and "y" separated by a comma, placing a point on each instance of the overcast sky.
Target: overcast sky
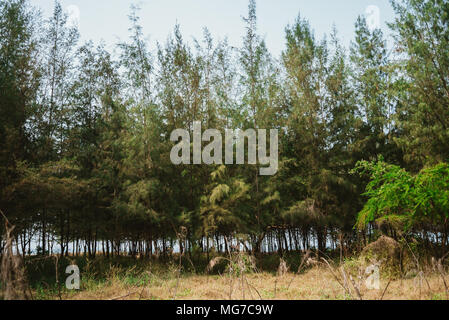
{"x": 108, "y": 19}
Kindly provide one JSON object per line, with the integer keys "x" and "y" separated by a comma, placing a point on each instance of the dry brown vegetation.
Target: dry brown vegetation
{"x": 12, "y": 272}
{"x": 318, "y": 283}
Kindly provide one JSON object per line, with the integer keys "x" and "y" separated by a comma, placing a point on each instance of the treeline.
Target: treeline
{"x": 85, "y": 135}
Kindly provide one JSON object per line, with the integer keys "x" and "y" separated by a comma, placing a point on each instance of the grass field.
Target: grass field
{"x": 315, "y": 284}
{"x": 127, "y": 279}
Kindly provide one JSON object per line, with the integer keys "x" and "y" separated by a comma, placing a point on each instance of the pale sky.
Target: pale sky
{"x": 108, "y": 19}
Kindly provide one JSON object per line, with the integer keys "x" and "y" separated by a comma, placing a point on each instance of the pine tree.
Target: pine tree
{"x": 422, "y": 43}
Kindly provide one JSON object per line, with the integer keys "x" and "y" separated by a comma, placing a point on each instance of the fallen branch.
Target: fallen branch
{"x": 336, "y": 278}
{"x": 355, "y": 287}
{"x": 385, "y": 290}
{"x": 126, "y": 295}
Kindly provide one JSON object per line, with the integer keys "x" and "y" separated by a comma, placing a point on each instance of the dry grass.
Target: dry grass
{"x": 317, "y": 283}
{"x": 12, "y": 273}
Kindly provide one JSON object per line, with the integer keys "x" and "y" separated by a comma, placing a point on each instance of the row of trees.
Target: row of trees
{"x": 85, "y": 134}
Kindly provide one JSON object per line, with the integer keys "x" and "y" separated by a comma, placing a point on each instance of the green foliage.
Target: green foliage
{"x": 402, "y": 199}
{"x": 421, "y": 30}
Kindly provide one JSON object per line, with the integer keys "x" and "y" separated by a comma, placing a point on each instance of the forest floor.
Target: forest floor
{"x": 317, "y": 283}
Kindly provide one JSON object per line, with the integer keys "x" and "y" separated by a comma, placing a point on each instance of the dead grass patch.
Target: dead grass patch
{"x": 317, "y": 283}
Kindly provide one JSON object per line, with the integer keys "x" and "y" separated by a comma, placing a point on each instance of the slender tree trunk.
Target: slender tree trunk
{"x": 44, "y": 217}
